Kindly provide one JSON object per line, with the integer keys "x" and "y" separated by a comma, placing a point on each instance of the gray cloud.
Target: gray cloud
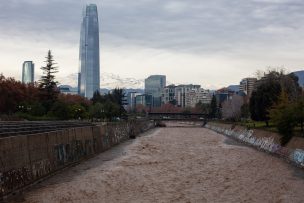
{"x": 186, "y": 26}
{"x": 269, "y": 31}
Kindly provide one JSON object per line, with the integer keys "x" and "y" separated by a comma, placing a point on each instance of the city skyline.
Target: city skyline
{"x": 213, "y": 44}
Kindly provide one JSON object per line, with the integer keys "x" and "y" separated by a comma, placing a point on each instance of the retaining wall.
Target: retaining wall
{"x": 268, "y": 144}
{"x": 26, "y": 159}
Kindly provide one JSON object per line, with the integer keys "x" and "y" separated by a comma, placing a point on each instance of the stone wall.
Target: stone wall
{"x": 253, "y": 138}
{"x": 28, "y": 158}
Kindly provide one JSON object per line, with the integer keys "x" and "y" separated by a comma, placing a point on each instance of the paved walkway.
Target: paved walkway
{"x": 176, "y": 165}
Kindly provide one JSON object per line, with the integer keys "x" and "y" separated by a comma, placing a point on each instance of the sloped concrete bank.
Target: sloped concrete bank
{"x": 261, "y": 140}
{"x": 27, "y": 159}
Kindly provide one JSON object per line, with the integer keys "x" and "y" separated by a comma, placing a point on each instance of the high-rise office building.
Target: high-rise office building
{"x": 154, "y": 86}
{"x": 89, "y": 70}
{"x": 183, "y": 93}
{"x": 247, "y": 85}
{"x": 131, "y": 99}
{"x": 28, "y": 69}
{"x": 168, "y": 95}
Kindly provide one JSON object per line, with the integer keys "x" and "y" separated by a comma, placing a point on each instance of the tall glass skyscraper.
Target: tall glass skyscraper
{"x": 88, "y": 76}
{"x": 154, "y": 85}
{"x": 28, "y": 72}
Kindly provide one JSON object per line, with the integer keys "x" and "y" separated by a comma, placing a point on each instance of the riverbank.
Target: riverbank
{"x": 176, "y": 165}
{"x": 29, "y": 158}
{"x": 263, "y": 140}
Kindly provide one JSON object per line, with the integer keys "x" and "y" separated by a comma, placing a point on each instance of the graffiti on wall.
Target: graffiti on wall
{"x": 41, "y": 168}
{"x": 14, "y": 179}
{"x": 298, "y": 156}
{"x": 266, "y": 144}
{"x": 73, "y": 151}
{"x": 63, "y": 154}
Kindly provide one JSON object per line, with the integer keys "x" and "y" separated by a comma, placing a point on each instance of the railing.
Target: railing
{"x": 177, "y": 116}
{"x": 23, "y": 128}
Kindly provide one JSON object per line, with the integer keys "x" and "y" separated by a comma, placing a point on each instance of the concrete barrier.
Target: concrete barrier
{"x": 266, "y": 144}
{"x": 26, "y": 159}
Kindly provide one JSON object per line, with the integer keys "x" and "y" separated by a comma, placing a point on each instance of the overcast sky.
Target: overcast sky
{"x": 212, "y": 43}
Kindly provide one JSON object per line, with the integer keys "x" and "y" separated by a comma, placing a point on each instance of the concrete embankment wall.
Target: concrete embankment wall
{"x": 262, "y": 140}
{"x": 28, "y": 158}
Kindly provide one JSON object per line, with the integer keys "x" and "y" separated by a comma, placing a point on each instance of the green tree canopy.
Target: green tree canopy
{"x": 282, "y": 114}
{"x": 47, "y": 83}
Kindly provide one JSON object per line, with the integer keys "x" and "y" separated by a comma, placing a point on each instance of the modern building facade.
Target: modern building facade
{"x": 190, "y": 98}
{"x": 168, "y": 95}
{"x": 182, "y": 93}
{"x": 144, "y": 100}
{"x": 154, "y": 86}
{"x": 204, "y": 96}
{"x": 131, "y": 99}
{"x": 247, "y": 85}
{"x": 185, "y": 95}
{"x": 28, "y": 71}
{"x": 67, "y": 89}
{"x": 89, "y": 68}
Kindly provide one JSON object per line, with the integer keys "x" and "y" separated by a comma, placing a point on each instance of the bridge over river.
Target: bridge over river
{"x": 175, "y": 164}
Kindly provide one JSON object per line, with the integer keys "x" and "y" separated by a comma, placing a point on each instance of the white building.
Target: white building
{"x": 183, "y": 94}
{"x": 190, "y": 98}
{"x": 195, "y": 96}
{"x": 203, "y": 96}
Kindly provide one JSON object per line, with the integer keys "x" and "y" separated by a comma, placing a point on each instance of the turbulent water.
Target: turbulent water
{"x": 176, "y": 165}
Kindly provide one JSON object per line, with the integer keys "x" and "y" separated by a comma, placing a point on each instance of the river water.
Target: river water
{"x": 175, "y": 165}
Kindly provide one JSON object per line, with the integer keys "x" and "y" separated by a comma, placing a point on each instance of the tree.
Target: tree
{"x": 77, "y": 111}
{"x": 47, "y": 83}
{"x": 97, "y": 111}
{"x": 12, "y": 94}
{"x": 74, "y": 100}
{"x": 118, "y": 97}
{"x": 97, "y": 98}
{"x": 299, "y": 112}
{"x": 203, "y": 108}
{"x": 282, "y": 114}
{"x": 213, "y": 107}
{"x": 268, "y": 92}
{"x": 231, "y": 109}
{"x": 141, "y": 109}
{"x": 263, "y": 98}
{"x": 37, "y": 109}
{"x": 111, "y": 110}
{"x": 245, "y": 111}
{"x": 291, "y": 86}
{"x": 60, "y": 111}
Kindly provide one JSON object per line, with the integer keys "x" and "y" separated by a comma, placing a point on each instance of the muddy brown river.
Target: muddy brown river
{"x": 175, "y": 165}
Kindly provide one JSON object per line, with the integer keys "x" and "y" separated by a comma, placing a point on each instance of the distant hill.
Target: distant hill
{"x": 300, "y": 75}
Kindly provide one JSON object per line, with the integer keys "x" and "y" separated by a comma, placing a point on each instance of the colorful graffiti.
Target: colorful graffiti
{"x": 298, "y": 156}
{"x": 266, "y": 144}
